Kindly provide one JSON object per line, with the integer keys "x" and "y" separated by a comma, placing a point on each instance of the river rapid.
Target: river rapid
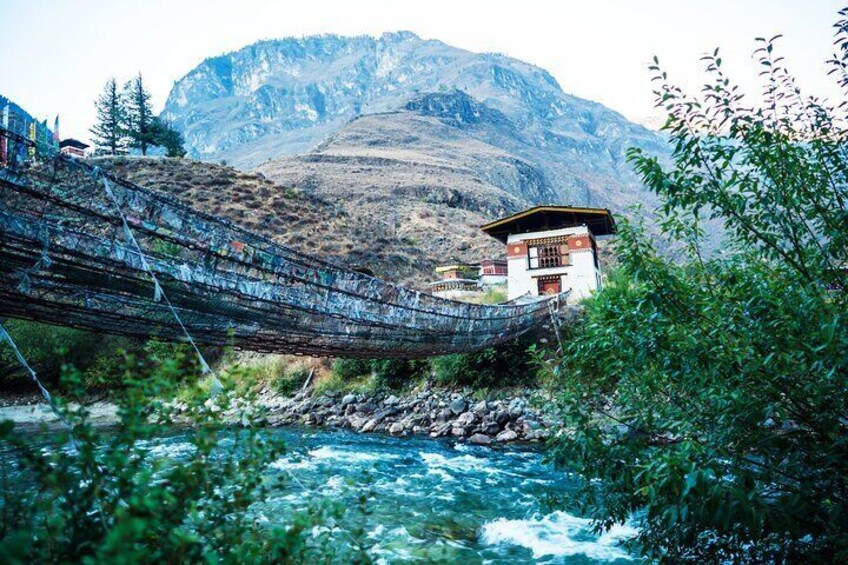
{"x": 434, "y": 501}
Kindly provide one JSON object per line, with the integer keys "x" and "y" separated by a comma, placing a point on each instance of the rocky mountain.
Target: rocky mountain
{"x": 287, "y": 97}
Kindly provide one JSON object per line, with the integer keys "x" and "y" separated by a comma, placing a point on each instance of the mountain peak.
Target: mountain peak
{"x": 285, "y": 97}
{"x": 399, "y": 36}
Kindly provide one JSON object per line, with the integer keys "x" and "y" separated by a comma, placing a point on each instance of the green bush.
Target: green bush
{"x": 293, "y": 380}
{"x": 336, "y": 384}
{"x": 707, "y": 396}
{"x": 47, "y": 348}
{"x": 397, "y": 374}
{"x": 351, "y": 369}
{"x": 505, "y": 365}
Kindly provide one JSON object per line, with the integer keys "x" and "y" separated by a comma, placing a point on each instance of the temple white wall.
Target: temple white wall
{"x": 581, "y": 275}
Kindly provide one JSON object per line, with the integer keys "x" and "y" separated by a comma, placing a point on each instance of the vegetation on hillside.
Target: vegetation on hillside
{"x": 707, "y": 398}
{"x": 125, "y": 120}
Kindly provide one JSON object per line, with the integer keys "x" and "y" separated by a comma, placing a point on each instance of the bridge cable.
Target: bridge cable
{"x": 158, "y": 291}
{"x": 44, "y": 392}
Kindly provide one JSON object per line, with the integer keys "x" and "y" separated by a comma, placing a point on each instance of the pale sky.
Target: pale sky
{"x": 58, "y": 53}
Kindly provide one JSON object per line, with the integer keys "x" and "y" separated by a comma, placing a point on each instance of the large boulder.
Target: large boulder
{"x": 458, "y": 406}
{"x": 502, "y": 417}
{"x": 480, "y": 439}
{"x": 465, "y": 419}
{"x": 490, "y": 428}
{"x": 507, "y": 435}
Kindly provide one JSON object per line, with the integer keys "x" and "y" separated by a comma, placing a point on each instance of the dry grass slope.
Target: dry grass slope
{"x": 397, "y": 242}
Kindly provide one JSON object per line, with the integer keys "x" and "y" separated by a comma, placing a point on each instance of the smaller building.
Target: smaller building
{"x": 73, "y": 147}
{"x": 457, "y": 280}
{"x": 552, "y": 249}
{"x": 493, "y": 272}
{"x": 456, "y": 271}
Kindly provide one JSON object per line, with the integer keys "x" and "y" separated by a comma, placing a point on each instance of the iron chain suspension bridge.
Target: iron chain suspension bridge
{"x": 82, "y": 248}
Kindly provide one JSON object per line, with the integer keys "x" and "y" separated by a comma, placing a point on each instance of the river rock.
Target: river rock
{"x": 507, "y": 435}
{"x": 502, "y": 417}
{"x": 396, "y": 429}
{"x": 440, "y": 429}
{"x": 421, "y": 420}
{"x": 369, "y": 426}
{"x": 480, "y": 439}
{"x": 366, "y": 407}
{"x": 444, "y": 415}
{"x": 348, "y": 399}
{"x": 490, "y": 428}
{"x": 458, "y": 431}
{"x": 481, "y": 408}
{"x": 392, "y": 401}
{"x": 356, "y": 422}
{"x": 458, "y": 406}
{"x": 383, "y": 414}
{"x": 465, "y": 419}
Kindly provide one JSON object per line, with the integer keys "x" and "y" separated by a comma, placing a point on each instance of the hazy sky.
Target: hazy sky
{"x": 57, "y": 54}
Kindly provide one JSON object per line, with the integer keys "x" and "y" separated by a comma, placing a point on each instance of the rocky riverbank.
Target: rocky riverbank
{"x": 431, "y": 412}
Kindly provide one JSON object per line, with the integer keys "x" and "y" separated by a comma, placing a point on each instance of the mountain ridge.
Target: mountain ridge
{"x": 283, "y": 97}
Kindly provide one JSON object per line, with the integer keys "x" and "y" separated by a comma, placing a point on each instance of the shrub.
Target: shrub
{"x": 351, "y": 369}
{"x": 336, "y": 384}
{"x": 397, "y": 374}
{"x": 708, "y": 396}
{"x": 505, "y": 365}
{"x": 47, "y": 348}
{"x": 293, "y": 380}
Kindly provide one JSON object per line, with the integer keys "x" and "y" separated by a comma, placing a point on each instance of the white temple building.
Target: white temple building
{"x": 553, "y": 250}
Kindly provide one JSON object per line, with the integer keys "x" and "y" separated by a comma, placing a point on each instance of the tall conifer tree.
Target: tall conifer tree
{"x": 140, "y": 118}
{"x": 109, "y": 132}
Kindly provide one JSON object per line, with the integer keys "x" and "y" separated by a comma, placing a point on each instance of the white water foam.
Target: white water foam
{"x": 349, "y": 456}
{"x": 438, "y": 464}
{"x": 325, "y": 454}
{"x": 172, "y": 450}
{"x": 289, "y": 464}
{"x": 560, "y": 535}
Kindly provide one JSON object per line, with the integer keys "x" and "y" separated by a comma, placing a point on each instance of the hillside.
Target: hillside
{"x": 311, "y": 223}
